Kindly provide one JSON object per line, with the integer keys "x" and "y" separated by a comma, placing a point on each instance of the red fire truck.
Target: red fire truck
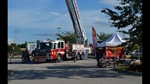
{"x": 58, "y": 50}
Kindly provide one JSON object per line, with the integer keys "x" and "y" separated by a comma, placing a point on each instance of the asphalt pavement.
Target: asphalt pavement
{"x": 69, "y": 72}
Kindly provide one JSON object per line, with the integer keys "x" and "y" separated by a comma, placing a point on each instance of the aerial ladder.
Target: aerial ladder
{"x": 57, "y": 49}
{"x": 77, "y": 23}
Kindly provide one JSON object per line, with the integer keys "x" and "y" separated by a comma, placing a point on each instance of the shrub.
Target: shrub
{"x": 136, "y": 66}
{"x": 135, "y": 57}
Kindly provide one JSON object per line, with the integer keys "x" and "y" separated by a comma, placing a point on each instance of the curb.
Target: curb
{"x": 132, "y": 72}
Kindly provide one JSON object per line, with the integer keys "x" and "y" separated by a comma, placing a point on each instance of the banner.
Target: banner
{"x": 114, "y": 51}
{"x": 94, "y": 39}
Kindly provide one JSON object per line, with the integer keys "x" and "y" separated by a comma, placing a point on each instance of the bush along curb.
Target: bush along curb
{"x": 10, "y": 74}
{"x": 134, "y": 72}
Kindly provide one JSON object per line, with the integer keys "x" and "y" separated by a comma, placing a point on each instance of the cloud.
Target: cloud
{"x": 37, "y": 19}
{"x": 110, "y": 2}
{"x": 44, "y": 34}
{"x": 28, "y": 13}
{"x": 10, "y": 41}
{"x": 55, "y": 13}
{"x": 94, "y": 18}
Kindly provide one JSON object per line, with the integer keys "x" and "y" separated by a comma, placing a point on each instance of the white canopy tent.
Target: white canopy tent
{"x": 114, "y": 40}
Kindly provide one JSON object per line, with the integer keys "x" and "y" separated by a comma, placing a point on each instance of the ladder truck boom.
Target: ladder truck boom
{"x": 58, "y": 50}
{"x": 77, "y": 23}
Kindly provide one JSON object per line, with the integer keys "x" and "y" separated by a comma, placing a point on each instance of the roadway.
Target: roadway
{"x": 69, "y": 72}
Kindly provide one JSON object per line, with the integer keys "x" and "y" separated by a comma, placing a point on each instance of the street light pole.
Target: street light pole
{"x": 59, "y": 30}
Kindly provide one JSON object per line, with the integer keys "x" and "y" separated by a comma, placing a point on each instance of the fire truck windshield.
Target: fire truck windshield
{"x": 45, "y": 46}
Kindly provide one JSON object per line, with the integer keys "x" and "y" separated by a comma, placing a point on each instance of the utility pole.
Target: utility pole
{"x": 11, "y": 55}
{"x": 16, "y": 37}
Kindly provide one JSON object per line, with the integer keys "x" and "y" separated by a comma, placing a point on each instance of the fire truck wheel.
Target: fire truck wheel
{"x": 59, "y": 58}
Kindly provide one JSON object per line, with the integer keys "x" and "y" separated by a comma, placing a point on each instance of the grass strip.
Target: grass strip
{"x": 127, "y": 68}
{"x": 9, "y": 72}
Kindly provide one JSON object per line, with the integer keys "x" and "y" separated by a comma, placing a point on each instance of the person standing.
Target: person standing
{"x": 97, "y": 56}
{"x": 104, "y": 56}
{"x": 33, "y": 54}
{"x": 101, "y": 53}
{"x": 23, "y": 57}
{"x": 27, "y": 55}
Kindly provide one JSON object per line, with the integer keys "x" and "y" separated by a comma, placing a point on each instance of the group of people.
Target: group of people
{"x": 25, "y": 56}
{"x": 99, "y": 55}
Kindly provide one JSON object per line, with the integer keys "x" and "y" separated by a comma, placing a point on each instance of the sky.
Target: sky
{"x": 32, "y": 20}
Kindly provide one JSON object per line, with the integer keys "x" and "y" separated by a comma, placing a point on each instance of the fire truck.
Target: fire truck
{"x": 57, "y": 49}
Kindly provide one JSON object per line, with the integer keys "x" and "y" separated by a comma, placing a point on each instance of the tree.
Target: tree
{"x": 103, "y": 37}
{"x": 13, "y": 48}
{"x": 67, "y": 36}
{"x": 136, "y": 47}
{"x": 37, "y": 41}
{"x": 22, "y": 45}
{"x": 128, "y": 14}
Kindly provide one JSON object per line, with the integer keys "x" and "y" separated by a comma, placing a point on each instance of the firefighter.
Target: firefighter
{"x": 33, "y": 54}
{"x": 27, "y": 55}
{"x": 23, "y": 57}
{"x": 104, "y": 56}
{"x": 97, "y": 56}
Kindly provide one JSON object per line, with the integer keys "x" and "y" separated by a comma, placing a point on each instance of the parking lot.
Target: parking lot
{"x": 67, "y": 72}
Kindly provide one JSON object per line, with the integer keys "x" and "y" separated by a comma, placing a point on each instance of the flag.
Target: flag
{"x": 94, "y": 39}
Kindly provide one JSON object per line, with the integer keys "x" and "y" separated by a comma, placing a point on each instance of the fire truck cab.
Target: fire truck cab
{"x": 50, "y": 49}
